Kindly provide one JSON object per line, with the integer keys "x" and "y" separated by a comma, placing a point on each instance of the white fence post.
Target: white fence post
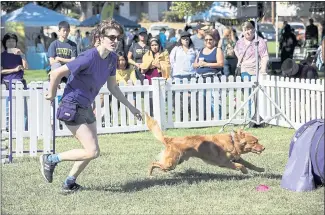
{"x": 20, "y": 124}
{"x": 47, "y": 126}
{"x": 159, "y": 95}
{"x": 32, "y": 115}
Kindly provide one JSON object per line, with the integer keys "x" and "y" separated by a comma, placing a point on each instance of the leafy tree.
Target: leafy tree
{"x": 190, "y": 8}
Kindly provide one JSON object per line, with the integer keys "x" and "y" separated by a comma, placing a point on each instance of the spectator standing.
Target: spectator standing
{"x": 288, "y": 43}
{"x": 62, "y": 50}
{"x": 245, "y": 51}
{"x": 13, "y": 63}
{"x": 198, "y": 39}
{"x": 86, "y": 42}
{"x": 210, "y": 62}
{"x": 77, "y": 39}
{"x": 155, "y": 61}
{"x": 228, "y": 43}
{"x": 136, "y": 52}
{"x": 311, "y": 34}
{"x": 182, "y": 58}
{"x": 13, "y": 60}
{"x": 172, "y": 40}
{"x": 162, "y": 37}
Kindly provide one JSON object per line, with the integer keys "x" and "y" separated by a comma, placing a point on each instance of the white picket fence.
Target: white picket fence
{"x": 174, "y": 105}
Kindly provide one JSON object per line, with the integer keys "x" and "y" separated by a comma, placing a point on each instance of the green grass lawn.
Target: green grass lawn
{"x": 35, "y": 75}
{"x": 118, "y": 183}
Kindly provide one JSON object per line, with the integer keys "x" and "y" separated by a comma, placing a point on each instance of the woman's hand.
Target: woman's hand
{"x": 202, "y": 64}
{"x": 136, "y": 113}
{"x": 49, "y": 96}
{"x": 18, "y": 68}
{"x": 156, "y": 64}
{"x": 196, "y": 65}
{"x": 17, "y": 51}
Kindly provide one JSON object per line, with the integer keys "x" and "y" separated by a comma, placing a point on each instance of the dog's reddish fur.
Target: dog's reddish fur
{"x": 223, "y": 150}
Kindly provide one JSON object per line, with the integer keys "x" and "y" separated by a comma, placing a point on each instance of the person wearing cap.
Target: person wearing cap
{"x": 182, "y": 58}
{"x": 291, "y": 69}
{"x": 198, "y": 39}
{"x": 136, "y": 52}
{"x": 311, "y": 34}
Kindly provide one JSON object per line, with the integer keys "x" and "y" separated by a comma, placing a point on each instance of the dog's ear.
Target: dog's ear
{"x": 240, "y": 133}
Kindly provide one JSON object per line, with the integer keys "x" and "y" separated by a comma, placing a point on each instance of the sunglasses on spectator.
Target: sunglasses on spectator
{"x": 206, "y": 40}
{"x": 113, "y": 37}
{"x": 185, "y": 38}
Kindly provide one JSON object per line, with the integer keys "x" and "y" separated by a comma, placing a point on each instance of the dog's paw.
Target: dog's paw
{"x": 244, "y": 170}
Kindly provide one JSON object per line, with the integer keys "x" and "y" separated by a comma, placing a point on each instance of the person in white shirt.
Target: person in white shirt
{"x": 182, "y": 57}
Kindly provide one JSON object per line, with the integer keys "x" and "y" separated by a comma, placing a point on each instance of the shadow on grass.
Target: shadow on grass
{"x": 189, "y": 177}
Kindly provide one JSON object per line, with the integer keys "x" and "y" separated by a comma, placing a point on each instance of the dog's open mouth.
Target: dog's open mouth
{"x": 257, "y": 152}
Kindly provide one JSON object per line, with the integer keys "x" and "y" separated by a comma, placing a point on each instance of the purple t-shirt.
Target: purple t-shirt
{"x": 89, "y": 72}
{"x": 11, "y": 61}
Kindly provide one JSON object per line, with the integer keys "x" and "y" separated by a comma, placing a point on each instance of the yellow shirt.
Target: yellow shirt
{"x": 125, "y": 75}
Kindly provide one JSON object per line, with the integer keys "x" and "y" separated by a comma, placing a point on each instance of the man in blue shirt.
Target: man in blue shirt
{"x": 162, "y": 37}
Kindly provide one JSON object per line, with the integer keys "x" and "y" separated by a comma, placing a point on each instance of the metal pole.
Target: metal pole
{"x": 257, "y": 73}
{"x": 53, "y": 132}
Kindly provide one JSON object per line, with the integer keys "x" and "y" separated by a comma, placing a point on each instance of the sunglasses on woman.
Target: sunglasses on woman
{"x": 113, "y": 37}
{"x": 206, "y": 40}
{"x": 185, "y": 38}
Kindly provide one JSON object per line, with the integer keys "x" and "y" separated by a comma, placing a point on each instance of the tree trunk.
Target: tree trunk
{"x": 86, "y": 10}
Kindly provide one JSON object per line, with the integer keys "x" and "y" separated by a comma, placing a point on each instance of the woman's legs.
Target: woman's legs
{"x": 87, "y": 136}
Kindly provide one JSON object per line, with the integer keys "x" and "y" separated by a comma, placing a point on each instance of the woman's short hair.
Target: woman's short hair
{"x": 247, "y": 25}
{"x": 122, "y": 54}
{"x": 8, "y": 36}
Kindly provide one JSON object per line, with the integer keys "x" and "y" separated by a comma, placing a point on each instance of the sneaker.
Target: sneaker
{"x": 71, "y": 188}
{"x": 47, "y": 168}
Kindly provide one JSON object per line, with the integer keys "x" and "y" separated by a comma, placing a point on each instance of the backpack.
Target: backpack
{"x": 305, "y": 169}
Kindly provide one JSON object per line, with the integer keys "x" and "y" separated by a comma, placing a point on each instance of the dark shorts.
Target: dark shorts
{"x": 83, "y": 116}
